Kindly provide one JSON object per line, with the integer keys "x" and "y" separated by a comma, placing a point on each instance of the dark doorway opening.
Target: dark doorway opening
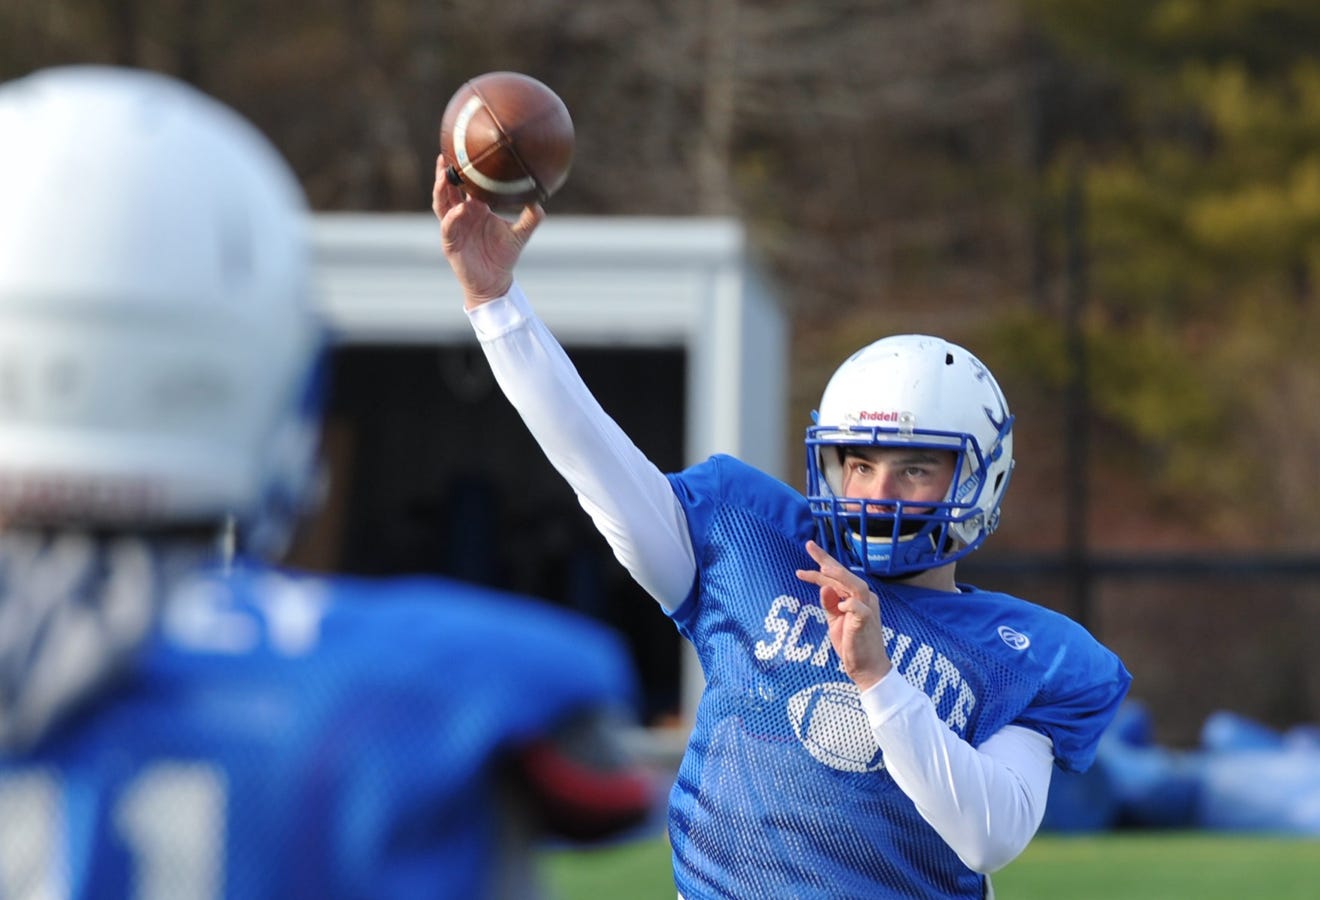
{"x": 432, "y": 471}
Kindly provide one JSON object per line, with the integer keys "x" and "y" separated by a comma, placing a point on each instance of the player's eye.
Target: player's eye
{"x": 859, "y": 468}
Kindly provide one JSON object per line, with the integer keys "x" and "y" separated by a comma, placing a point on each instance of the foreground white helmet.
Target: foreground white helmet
{"x": 911, "y": 391}
{"x": 157, "y": 346}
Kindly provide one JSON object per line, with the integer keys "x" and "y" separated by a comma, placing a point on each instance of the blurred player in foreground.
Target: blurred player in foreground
{"x": 870, "y": 727}
{"x": 180, "y": 722}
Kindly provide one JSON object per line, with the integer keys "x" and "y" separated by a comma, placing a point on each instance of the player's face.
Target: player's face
{"x": 897, "y": 473}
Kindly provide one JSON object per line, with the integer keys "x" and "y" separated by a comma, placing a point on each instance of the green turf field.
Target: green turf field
{"x": 1122, "y": 866}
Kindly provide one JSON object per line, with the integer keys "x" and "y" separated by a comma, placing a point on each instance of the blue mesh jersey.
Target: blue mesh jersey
{"x": 783, "y": 791}
{"x": 293, "y": 737}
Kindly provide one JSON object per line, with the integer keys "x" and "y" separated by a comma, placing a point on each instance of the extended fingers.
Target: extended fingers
{"x": 823, "y": 557}
{"x": 442, "y": 192}
{"x": 835, "y": 571}
{"x": 445, "y": 193}
{"x": 841, "y": 589}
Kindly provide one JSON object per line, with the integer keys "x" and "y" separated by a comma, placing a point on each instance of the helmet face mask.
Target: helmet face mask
{"x": 910, "y": 392}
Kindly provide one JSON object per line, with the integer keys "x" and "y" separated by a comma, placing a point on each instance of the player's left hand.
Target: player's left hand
{"x": 853, "y": 612}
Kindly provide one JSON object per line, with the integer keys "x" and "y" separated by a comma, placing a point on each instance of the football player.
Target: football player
{"x": 870, "y": 726}
{"x": 180, "y": 717}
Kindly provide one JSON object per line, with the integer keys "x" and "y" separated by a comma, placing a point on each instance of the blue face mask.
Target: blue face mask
{"x": 905, "y": 537}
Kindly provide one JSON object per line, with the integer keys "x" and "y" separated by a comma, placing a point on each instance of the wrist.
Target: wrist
{"x": 872, "y": 676}
{"x": 473, "y": 298}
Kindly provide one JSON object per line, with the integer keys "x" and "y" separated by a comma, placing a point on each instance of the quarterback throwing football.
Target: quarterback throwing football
{"x": 870, "y": 727}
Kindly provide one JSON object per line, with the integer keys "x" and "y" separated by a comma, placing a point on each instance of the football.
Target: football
{"x": 507, "y": 139}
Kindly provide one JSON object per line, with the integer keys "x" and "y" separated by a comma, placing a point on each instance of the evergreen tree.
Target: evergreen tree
{"x": 1195, "y": 127}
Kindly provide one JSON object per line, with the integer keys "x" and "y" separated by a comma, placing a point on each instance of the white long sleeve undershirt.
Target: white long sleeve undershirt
{"x": 628, "y": 498}
{"x": 985, "y": 802}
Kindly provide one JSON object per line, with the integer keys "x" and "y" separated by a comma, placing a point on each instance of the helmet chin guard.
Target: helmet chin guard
{"x": 913, "y": 392}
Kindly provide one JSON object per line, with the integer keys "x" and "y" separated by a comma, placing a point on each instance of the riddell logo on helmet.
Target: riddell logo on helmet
{"x": 867, "y": 415}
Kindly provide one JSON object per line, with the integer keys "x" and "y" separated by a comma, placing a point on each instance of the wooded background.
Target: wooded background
{"x": 1116, "y": 203}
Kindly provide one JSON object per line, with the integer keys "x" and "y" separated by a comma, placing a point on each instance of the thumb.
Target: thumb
{"x": 526, "y": 223}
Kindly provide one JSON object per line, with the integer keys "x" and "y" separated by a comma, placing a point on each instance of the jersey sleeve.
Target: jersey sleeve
{"x": 722, "y": 481}
{"x": 1084, "y": 685}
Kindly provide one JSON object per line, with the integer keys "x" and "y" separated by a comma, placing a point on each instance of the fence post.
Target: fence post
{"x": 1077, "y": 413}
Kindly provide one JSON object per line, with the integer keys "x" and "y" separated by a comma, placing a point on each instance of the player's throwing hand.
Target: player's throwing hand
{"x": 482, "y": 247}
{"x": 853, "y": 612}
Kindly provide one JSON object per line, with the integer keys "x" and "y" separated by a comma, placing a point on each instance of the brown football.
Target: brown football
{"x": 508, "y": 139}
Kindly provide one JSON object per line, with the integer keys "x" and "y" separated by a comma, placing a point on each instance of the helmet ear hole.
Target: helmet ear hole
{"x": 830, "y": 458}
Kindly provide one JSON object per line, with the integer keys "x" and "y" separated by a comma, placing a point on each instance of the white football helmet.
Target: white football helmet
{"x": 158, "y": 348}
{"x": 910, "y": 391}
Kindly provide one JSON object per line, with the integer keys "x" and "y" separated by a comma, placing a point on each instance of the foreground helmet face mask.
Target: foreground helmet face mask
{"x": 912, "y": 392}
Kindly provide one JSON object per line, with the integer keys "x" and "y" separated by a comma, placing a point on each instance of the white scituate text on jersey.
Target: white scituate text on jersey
{"x": 789, "y": 619}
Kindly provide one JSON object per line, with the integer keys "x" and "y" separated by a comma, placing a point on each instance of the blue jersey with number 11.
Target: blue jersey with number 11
{"x": 292, "y": 737}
